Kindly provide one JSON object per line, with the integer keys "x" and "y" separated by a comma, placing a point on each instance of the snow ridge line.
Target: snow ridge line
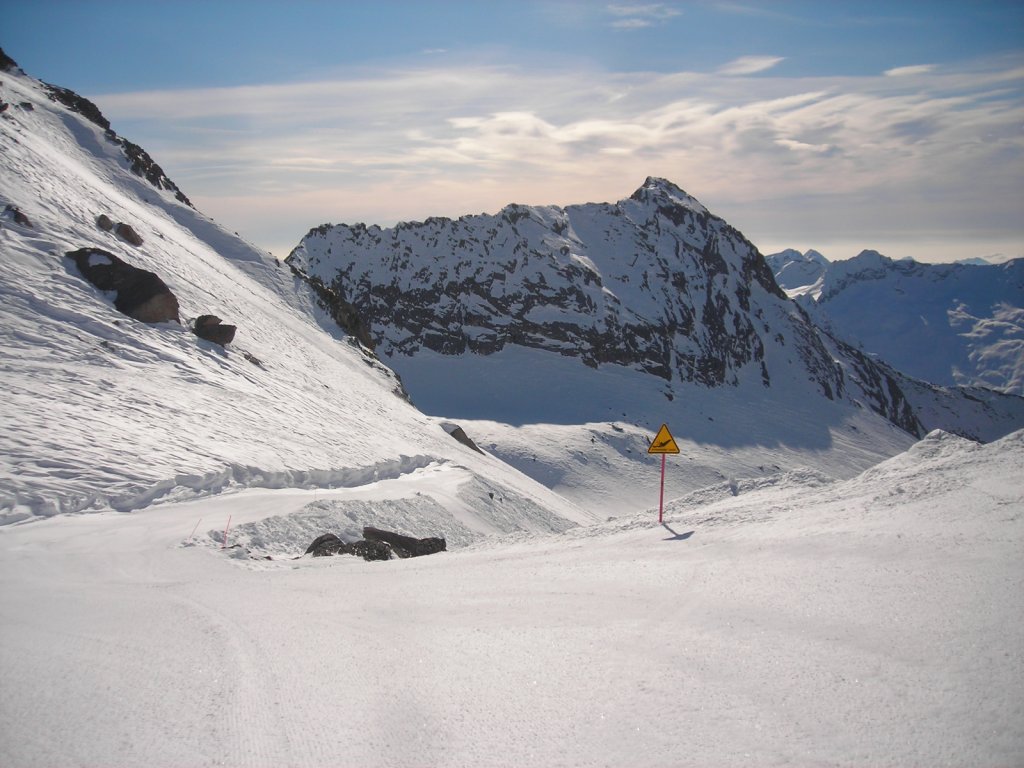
{"x": 16, "y": 508}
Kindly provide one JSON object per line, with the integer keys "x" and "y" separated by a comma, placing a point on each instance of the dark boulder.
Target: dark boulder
{"x": 406, "y": 546}
{"x": 126, "y": 233}
{"x": 139, "y": 293}
{"x": 327, "y": 546}
{"x": 371, "y": 550}
{"x": 104, "y": 222}
{"x": 209, "y": 327}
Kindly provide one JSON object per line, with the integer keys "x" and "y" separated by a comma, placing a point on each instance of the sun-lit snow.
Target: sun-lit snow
{"x": 824, "y": 591}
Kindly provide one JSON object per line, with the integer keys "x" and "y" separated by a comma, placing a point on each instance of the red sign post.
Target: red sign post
{"x": 664, "y": 444}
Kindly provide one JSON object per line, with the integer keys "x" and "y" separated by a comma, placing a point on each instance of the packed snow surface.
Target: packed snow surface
{"x": 801, "y": 621}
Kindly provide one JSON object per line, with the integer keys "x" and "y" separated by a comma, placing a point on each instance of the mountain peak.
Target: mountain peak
{"x": 663, "y": 192}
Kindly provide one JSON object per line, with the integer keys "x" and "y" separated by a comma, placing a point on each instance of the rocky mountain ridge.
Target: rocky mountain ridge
{"x": 653, "y": 283}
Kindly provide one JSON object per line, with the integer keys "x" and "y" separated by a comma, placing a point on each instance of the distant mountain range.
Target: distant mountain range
{"x": 948, "y": 324}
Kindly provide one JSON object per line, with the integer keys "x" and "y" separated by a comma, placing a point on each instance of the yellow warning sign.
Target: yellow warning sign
{"x": 663, "y": 442}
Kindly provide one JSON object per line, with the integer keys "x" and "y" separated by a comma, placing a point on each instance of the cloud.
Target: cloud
{"x": 917, "y": 69}
{"x": 639, "y": 16}
{"x": 849, "y": 156}
{"x": 749, "y": 65}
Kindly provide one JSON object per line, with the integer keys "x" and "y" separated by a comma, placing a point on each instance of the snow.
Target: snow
{"x": 804, "y": 603}
{"x": 948, "y": 324}
{"x": 804, "y": 621}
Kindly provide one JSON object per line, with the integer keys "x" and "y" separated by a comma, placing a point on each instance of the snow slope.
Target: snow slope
{"x": 101, "y": 411}
{"x": 874, "y": 621}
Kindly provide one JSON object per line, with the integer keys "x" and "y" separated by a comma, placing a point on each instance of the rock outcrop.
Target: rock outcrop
{"x": 138, "y": 293}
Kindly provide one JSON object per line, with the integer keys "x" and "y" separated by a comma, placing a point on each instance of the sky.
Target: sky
{"x": 839, "y": 126}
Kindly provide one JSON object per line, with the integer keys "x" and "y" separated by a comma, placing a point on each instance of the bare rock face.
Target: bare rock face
{"x": 104, "y": 222}
{"x": 139, "y": 293}
{"x": 209, "y": 327}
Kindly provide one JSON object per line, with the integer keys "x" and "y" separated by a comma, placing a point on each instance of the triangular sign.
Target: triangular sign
{"x": 663, "y": 442}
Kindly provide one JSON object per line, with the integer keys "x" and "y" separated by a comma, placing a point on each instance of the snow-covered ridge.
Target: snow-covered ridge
{"x": 947, "y": 324}
{"x": 795, "y": 271}
{"x": 652, "y": 284}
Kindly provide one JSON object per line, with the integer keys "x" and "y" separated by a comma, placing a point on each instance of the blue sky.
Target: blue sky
{"x": 897, "y": 126}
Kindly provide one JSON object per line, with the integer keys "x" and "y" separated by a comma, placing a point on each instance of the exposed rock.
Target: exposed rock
{"x": 78, "y": 104}
{"x": 332, "y": 301}
{"x": 328, "y": 545}
{"x": 7, "y": 64}
{"x": 103, "y": 222}
{"x": 12, "y": 212}
{"x": 139, "y": 293}
{"x": 406, "y": 546}
{"x": 139, "y": 161}
{"x": 371, "y": 550}
{"x": 143, "y": 165}
{"x": 209, "y": 327}
{"x": 128, "y": 234}
{"x": 460, "y": 434}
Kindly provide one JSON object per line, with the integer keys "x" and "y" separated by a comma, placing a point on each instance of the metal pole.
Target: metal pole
{"x": 661, "y": 500}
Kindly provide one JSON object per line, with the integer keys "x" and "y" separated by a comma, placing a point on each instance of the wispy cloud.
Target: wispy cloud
{"x": 639, "y": 16}
{"x": 404, "y": 144}
{"x": 916, "y": 69}
{"x": 749, "y": 65}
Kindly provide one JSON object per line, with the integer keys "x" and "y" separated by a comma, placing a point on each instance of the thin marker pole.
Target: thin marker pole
{"x": 225, "y": 544}
{"x": 661, "y": 500}
{"x": 193, "y": 534}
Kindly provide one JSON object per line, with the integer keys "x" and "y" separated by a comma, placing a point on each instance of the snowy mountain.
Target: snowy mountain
{"x": 947, "y": 324}
{"x": 102, "y": 411}
{"x": 645, "y": 311}
{"x": 825, "y": 589}
{"x": 794, "y": 270}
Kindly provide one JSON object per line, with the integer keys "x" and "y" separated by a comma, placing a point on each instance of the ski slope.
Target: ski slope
{"x": 803, "y": 621}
